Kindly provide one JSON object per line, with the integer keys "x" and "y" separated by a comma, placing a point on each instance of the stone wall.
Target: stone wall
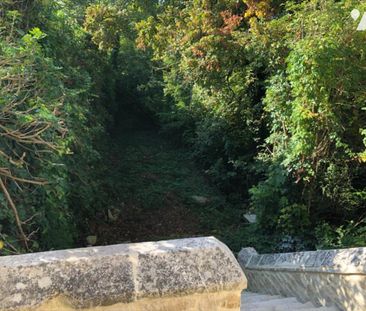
{"x": 178, "y": 275}
{"x": 330, "y": 277}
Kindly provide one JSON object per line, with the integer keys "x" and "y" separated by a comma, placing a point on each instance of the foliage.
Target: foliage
{"x": 315, "y": 100}
{"x": 212, "y": 86}
{"x": 62, "y": 66}
{"x": 47, "y": 125}
{"x": 32, "y": 133}
{"x": 268, "y": 97}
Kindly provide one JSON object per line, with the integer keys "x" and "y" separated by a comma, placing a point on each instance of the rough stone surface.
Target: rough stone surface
{"x": 330, "y": 277}
{"x": 102, "y": 278}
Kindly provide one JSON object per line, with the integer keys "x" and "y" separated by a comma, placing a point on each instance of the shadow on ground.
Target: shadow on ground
{"x": 159, "y": 193}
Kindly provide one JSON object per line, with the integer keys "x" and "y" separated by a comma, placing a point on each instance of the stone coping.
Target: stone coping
{"x": 341, "y": 261}
{"x": 326, "y": 278}
{"x": 104, "y": 276}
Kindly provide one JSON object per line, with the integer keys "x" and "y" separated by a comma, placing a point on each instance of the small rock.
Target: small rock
{"x": 251, "y": 218}
{"x": 113, "y": 214}
{"x": 92, "y": 240}
{"x": 200, "y": 199}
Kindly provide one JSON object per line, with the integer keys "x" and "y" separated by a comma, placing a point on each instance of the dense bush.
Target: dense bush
{"x": 49, "y": 122}
{"x": 269, "y": 97}
{"x": 315, "y": 102}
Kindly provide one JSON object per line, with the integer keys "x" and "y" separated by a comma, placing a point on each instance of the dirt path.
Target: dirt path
{"x": 160, "y": 194}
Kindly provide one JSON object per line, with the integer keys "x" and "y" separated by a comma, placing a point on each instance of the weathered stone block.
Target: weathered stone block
{"x": 178, "y": 275}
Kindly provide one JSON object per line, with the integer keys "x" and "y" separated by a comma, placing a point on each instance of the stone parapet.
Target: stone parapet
{"x": 178, "y": 275}
{"x": 328, "y": 277}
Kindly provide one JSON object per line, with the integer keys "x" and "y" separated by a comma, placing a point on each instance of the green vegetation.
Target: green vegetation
{"x": 158, "y": 192}
{"x": 115, "y": 115}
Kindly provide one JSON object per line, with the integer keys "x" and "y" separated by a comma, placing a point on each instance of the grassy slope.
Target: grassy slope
{"x": 154, "y": 183}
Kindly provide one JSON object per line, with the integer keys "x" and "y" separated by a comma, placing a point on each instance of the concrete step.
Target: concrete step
{"x": 259, "y": 298}
{"x": 261, "y": 302}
